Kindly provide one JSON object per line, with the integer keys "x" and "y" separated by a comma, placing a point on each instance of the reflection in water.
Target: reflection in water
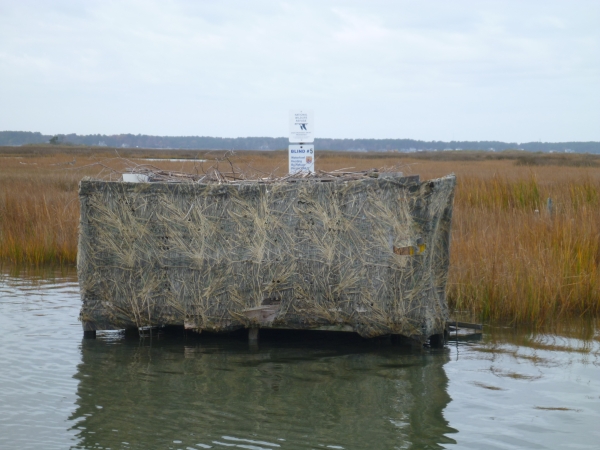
{"x": 37, "y": 359}
{"x": 511, "y": 388}
{"x": 527, "y": 388}
{"x": 312, "y": 390}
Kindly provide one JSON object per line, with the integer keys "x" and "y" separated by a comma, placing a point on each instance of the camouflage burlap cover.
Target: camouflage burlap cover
{"x": 367, "y": 255}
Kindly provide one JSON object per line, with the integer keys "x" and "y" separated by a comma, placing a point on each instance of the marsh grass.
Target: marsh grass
{"x": 511, "y": 260}
{"x": 38, "y": 216}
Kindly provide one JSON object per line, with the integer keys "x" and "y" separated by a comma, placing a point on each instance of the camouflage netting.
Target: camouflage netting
{"x": 369, "y": 255}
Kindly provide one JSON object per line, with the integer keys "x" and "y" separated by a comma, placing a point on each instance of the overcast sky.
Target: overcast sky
{"x": 512, "y": 70}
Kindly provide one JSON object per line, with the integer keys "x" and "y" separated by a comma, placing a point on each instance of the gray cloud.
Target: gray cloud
{"x": 510, "y": 70}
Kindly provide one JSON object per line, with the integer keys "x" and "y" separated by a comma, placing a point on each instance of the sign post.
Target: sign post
{"x": 301, "y": 153}
{"x": 301, "y": 158}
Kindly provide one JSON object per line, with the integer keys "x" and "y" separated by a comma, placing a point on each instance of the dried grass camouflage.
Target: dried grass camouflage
{"x": 368, "y": 255}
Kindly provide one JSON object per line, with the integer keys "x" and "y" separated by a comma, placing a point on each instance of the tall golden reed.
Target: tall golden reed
{"x": 511, "y": 259}
{"x": 38, "y": 221}
{"x": 514, "y": 258}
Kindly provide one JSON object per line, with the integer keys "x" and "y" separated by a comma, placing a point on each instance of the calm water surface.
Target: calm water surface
{"x": 302, "y": 391}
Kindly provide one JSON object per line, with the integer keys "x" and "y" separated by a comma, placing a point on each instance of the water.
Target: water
{"x": 301, "y": 391}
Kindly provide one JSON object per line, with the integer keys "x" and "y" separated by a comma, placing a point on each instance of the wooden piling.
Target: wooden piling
{"x": 253, "y": 334}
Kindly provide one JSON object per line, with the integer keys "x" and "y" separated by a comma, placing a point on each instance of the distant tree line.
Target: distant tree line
{"x": 16, "y": 138}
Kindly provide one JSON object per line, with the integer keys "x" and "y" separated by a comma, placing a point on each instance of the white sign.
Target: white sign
{"x": 301, "y": 125}
{"x": 135, "y": 178}
{"x": 302, "y": 158}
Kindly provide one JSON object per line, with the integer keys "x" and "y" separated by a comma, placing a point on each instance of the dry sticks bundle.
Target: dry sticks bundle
{"x": 231, "y": 174}
{"x": 215, "y": 176}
